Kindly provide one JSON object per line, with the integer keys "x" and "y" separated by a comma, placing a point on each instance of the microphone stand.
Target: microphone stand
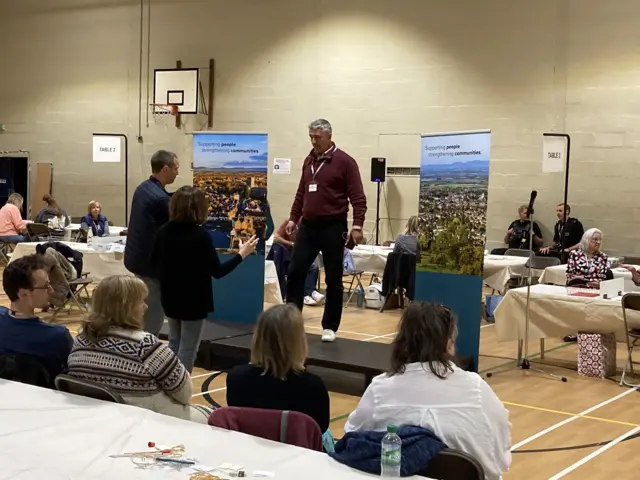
{"x": 523, "y": 361}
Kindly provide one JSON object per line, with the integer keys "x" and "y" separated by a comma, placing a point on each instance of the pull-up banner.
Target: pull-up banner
{"x": 231, "y": 170}
{"x": 454, "y": 180}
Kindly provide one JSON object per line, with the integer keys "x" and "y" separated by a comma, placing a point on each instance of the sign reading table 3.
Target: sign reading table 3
{"x": 106, "y": 149}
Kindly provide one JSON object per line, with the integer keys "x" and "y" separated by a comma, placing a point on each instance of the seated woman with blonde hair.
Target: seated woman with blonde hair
{"x": 408, "y": 242}
{"x": 113, "y": 350}
{"x": 276, "y": 378}
{"x": 424, "y": 388}
{"x": 94, "y": 220}
{"x": 12, "y": 226}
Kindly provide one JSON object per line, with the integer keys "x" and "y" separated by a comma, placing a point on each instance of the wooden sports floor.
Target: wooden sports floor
{"x": 583, "y": 429}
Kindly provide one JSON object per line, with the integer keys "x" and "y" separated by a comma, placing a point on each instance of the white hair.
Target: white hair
{"x": 588, "y": 235}
{"x": 320, "y": 124}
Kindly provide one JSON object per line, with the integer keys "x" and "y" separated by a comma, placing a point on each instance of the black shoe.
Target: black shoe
{"x": 570, "y": 339}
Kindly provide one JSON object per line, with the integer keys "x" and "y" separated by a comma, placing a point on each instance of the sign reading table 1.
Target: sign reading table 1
{"x": 554, "y": 154}
{"x": 106, "y": 149}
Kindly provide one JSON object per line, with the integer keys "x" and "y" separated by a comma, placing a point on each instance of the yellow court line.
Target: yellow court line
{"x": 588, "y": 417}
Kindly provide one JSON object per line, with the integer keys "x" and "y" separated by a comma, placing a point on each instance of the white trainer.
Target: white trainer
{"x": 328, "y": 335}
{"x": 309, "y": 301}
{"x": 318, "y": 297}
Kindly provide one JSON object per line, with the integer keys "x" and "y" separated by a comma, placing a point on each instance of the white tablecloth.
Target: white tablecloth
{"x": 557, "y": 275}
{"x": 100, "y": 265}
{"x": 498, "y": 269}
{"x": 53, "y": 435}
{"x": 554, "y": 313}
{"x": 370, "y": 258}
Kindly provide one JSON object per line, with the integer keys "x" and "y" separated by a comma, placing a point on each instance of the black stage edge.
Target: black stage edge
{"x": 365, "y": 358}
{"x": 212, "y": 332}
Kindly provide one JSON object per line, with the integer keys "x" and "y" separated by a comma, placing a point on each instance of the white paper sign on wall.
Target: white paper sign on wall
{"x": 282, "y": 166}
{"x": 106, "y": 149}
{"x": 554, "y": 154}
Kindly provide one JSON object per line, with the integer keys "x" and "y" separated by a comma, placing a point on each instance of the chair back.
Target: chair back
{"x": 85, "y": 388}
{"x": 25, "y": 369}
{"x": 451, "y": 464}
{"x": 515, "y": 252}
{"x": 631, "y": 301}
{"x": 292, "y": 428}
{"x": 540, "y": 263}
{"x": 37, "y": 231}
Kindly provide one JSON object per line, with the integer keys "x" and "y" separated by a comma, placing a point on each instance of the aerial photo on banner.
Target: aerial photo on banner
{"x": 454, "y": 179}
{"x": 231, "y": 168}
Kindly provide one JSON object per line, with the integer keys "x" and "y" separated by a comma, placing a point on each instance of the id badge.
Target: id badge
{"x": 313, "y": 187}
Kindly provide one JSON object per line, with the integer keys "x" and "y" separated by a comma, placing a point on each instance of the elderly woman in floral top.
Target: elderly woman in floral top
{"x": 588, "y": 264}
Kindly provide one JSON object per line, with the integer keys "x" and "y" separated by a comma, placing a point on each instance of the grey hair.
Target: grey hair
{"x": 321, "y": 124}
{"x": 162, "y": 158}
{"x": 588, "y": 235}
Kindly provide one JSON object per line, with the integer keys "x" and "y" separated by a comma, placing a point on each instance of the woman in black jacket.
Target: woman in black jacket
{"x": 184, "y": 258}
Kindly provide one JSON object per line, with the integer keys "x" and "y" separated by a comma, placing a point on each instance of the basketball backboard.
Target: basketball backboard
{"x": 178, "y": 87}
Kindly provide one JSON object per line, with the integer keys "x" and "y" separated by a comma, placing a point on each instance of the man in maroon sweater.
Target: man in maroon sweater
{"x": 330, "y": 180}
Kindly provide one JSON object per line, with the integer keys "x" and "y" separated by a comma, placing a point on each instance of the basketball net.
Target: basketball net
{"x": 163, "y": 114}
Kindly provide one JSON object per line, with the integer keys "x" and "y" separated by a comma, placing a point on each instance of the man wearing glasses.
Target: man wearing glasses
{"x": 27, "y": 285}
{"x": 330, "y": 180}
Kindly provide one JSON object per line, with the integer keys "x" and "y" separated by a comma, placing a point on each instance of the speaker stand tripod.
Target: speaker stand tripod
{"x": 523, "y": 362}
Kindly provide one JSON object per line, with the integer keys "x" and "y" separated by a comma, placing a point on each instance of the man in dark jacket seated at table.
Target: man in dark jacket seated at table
{"x": 518, "y": 233}
{"x": 568, "y": 228}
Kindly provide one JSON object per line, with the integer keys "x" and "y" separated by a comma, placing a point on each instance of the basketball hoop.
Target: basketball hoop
{"x": 162, "y": 112}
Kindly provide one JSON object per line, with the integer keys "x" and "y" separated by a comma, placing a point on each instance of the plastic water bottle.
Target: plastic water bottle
{"x": 391, "y": 454}
{"x": 90, "y": 237}
{"x": 360, "y": 298}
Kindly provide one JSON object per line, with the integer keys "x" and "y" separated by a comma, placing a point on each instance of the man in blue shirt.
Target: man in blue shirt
{"x": 27, "y": 285}
{"x": 149, "y": 211}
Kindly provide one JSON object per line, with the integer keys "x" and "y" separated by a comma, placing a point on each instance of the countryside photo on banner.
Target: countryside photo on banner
{"x": 231, "y": 169}
{"x": 454, "y": 179}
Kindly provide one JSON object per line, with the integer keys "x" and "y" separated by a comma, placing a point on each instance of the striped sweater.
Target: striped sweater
{"x": 132, "y": 363}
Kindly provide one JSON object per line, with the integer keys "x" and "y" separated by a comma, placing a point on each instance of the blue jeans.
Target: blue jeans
{"x": 12, "y": 239}
{"x": 154, "y": 316}
{"x": 184, "y": 340}
{"x": 311, "y": 282}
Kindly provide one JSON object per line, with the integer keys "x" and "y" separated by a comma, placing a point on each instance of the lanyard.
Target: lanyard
{"x": 314, "y": 172}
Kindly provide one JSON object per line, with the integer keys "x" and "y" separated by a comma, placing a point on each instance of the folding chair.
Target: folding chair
{"x": 38, "y": 232}
{"x": 78, "y": 296}
{"x": 25, "y": 369}
{"x": 356, "y": 277}
{"x": 85, "y": 388}
{"x": 630, "y": 301}
{"x": 515, "y": 252}
{"x": 5, "y": 252}
{"x": 451, "y": 464}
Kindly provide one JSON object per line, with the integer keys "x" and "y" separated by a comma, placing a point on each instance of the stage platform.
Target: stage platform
{"x": 213, "y": 331}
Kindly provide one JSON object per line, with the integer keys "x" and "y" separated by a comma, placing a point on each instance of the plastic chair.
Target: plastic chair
{"x": 451, "y": 464}
{"x": 630, "y": 301}
{"x": 85, "y": 388}
{"x": 292, "y": 428}
{"x": 38, "y": 232}
{"x": 25, "y": 369}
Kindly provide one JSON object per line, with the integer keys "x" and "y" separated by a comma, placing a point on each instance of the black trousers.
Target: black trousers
{"x": 326, "y": 236}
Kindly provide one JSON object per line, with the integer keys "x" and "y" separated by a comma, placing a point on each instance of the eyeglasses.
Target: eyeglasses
{"x": 46, "y": 286}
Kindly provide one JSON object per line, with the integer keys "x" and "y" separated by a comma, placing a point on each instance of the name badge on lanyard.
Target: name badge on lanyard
{"x": 313, "y": 185}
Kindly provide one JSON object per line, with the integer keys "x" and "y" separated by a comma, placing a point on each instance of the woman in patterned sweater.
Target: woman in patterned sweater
{"x": 113, "y": 350}
{"x": 588, "y": 264}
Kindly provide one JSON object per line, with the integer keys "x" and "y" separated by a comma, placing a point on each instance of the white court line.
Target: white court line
{"x": 571, "y": 419}
{"x": 487, "y": 325}
{"x": 210, "y": 391}
{"x": 343, "y": 331}
{"x": 380, "y": 336}
{"x": 592, "y": 455}
{"x": 204, "y": 375}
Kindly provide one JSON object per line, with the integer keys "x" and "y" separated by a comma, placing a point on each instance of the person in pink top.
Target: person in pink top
{"x": 12, "y": 226}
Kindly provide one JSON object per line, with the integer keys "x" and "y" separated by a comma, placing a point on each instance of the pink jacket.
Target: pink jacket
{"x": 11, "y": 222}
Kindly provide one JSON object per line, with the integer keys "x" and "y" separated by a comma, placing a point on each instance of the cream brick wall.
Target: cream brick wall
{"x": 383, "y": 72}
